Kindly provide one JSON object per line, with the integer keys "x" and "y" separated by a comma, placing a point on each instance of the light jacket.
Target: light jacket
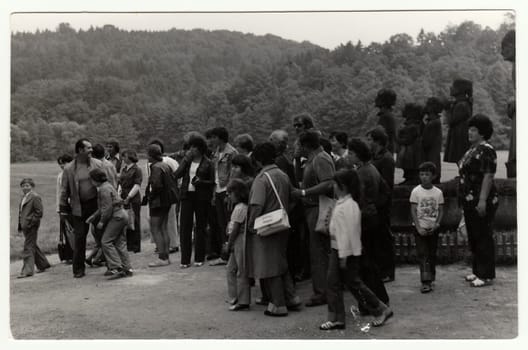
{"x": 223, "y": 164}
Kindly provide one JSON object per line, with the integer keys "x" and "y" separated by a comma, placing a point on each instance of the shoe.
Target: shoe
{"x": 218, "y": 262}
{"x": 78, "y": 275}
{"x": 387, "y": 279}
{"x": 329, "y": 325}
{"x": 43, "y": 270}
{"x": 98, "y": 263}
{"x": 477, "y": 283}
{"x": 24, "y": 276}
{"x": 198, "y": 264}
{"x": 128, "y": 272}
{"x": 269, "y": 313}
{"x": 109, "y": 273}
{"x": 89, "y": 262}
{"x": 295, "y": 307}
{"x": 117, "y": 274}
{"x": 212, "y": 257}
{"x": 426, "y": 288}
{"x": 470, "y": 278}
{"x": 312, "y": 303}
{"x": 381, "y": 319}
{"x": 261, "y": 301}
{"x": 239, "y": 307}
{"x": 185, "y": 266}
{"x": 174, "y": 250}
{"x": 159, "y": 263}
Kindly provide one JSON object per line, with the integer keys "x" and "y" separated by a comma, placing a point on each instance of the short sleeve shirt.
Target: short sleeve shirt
{"x": 319, "y": 168}
{"x": 238, "y": 215}
{"x": 427, "y": 202}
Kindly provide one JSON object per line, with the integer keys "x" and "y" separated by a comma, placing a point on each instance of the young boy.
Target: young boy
{"x": 28, "y": 222}
{"x": 427, "y": 203}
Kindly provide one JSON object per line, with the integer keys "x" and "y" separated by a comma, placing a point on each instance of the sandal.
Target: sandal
{"x": 426, "y": 288}
{"x": 381, "y": 319}
{"x": 329, "y": 325}
{"x": 477, "y": 283}
{"x": 470, "y": 278}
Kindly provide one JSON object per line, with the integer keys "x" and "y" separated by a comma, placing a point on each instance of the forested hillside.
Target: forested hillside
{"x": 135, "y": 85}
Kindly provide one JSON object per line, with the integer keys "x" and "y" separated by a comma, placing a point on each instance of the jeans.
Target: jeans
{"x": 113, "y": 243}
{"x": 426, "y": 251}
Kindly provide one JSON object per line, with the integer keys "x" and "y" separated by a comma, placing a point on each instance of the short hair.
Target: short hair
{"x": 98, "y": 151}
{"x": 159, "y": 143}
{"x": 240, "y": 189}
{"x": 154, "y": 151}
{"x": 27, "y": 180}
{"x": 199, "y": 143}
{"x": 208, "y": 133}
{"x": 434, "y": 105}
{"x": 412, "y": 111}
{"x": 245, "y": 141}
{"x": 264, "y": 153}
{"x": 327, "y": 146}
{"x": 305, "y": 119}
{"x": 483, "y": 125}
{"x": 360, "y": 148}
{"x": 340, "y": 137}
{"x": 114, "y": 144}
{"x": 463, "y": 87}
{"x": 282, "y": 137}
{"x": 348, "y": 179}
{"x": 190, "y": 134}
{"x": 310, "y": 139}
{"x": 221, "y": 133}
{"x": 427, "y": 166}
{"x": 131, "y": 155}
{"x": 80, "y": 144}
{"x": 244, "y": 162}
{"x": 385, "y": 98}
{"x": 98, "y": 175}
{"x": 379, "y": 135}
{"x": 64, "y": 159}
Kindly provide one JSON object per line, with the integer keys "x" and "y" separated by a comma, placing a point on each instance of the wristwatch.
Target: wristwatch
{"x": 303, "y": 193}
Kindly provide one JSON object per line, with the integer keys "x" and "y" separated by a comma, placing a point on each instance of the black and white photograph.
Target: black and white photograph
{"x": 283, "y": 171}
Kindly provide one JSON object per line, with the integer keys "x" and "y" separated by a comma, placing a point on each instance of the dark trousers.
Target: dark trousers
{"x": 32, "y": 254}
{"x": 298, "y": 247}
{"x": 319, "y": 250}
{"x": 81, "y": 229}
{"x": 384, "y": 254}
{"x": 133, "y": 237}
{"x": 426, "y": 251}
{"x": 159, "y": 220}
{"x": 68, "y": 236}
{"x": 219, "y": 234}
{"x": 480, "y": 239}
{"x": 280, "y": 291}
{"x": 191, "y": 208}
{"x": 211, "y": 248}
{"x": 350, "y": 277}
{"x": 370, "y": 273}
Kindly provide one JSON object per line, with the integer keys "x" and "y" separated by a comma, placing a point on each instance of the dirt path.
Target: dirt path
{"x": 171, "y": 303}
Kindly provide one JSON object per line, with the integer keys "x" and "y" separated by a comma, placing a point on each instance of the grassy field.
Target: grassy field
{"x": 45, "y": 176}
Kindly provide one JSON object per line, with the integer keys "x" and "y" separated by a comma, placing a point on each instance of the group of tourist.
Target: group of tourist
{"x": 275, "y": 214}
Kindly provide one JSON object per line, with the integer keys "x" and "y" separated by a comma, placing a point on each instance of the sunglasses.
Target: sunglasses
{"x": 297, "y": 125}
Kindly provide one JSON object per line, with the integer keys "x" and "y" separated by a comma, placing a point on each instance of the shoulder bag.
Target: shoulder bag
{"x": 275, "y": 221}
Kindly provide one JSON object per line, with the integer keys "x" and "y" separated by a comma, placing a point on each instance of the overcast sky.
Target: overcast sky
{"x": 327, "y": 29}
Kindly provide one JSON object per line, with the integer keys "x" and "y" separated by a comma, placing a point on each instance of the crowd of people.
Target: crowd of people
{"x": 318, "y": 210}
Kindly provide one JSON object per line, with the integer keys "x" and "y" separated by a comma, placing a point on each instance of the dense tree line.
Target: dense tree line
{"x": 135, "y": 85}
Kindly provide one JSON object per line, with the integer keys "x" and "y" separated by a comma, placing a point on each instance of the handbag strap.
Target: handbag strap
{"x": 274, "y": 189}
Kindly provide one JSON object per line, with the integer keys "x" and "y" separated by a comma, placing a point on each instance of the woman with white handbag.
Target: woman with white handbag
{"x": 267, "y": 234}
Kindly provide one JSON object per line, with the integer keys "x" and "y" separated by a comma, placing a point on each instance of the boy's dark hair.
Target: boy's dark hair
{"x": 462, "y": 87}
{"x": 244, "y": 162}
{"x": 80, "y": 144}
{"x": 115, "y": 145}
{"x": 245, "y": 141}
{"x": 208, "y": 134}
{"x": 361, "y": 149}
{"x": 265, "y": 153}
{"x": 379, "y": 135}
{"x": 98, "y": 175}
{"x": 198, "y": 142}
{"x": 154, "y": 151}
{"x": 340, "y": 137}
{"x": 305, "y": 119}
{"x": 385, "y": 98}
{"x": 348, "y": 179}
{"x": 221, "y": 133}
{"x": 327, "y": 146}
{"x": 413, "y": 111}
{"x": 240, "y": 189}
{"x": 483, "y": 124}
{"x": 132, "y": 155}
{"x": 310, "y": 139}
{"x": 64, "y": 159}
{"x": 427, "y": 167}
{"x": 98, "y": 151}
{"x": 434, "y": 106}
{"x": 27, "y": 180}
{"x": 159, "y": 143}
